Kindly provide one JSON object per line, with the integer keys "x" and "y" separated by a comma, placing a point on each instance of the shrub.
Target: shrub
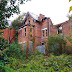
{"x": 14, "y": 50}
{"x": 68, "y": 49}
{"x": 56, "y": 44}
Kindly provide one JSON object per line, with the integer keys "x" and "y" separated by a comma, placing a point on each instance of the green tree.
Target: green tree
{"x": 7, "y": 8}
{"x": 18, "y": 22}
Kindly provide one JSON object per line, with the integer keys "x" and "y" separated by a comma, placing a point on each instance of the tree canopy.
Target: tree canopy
{"x": 18, "y": 22}
{"x": 8, "y": 8}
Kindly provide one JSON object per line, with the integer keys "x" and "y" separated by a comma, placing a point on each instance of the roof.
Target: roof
{"x": 34, "y": 16}
{"x": 62, "y": 23}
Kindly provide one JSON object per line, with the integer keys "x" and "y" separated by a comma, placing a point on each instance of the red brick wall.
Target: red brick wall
{"x": 12, "y": 33}
{"x": 66, "y": 30}
{"x": 6, "y": 34}
{"x": 37, "y": 30}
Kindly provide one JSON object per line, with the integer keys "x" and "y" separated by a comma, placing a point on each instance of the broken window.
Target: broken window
{"x": 59, "y": 29}
{"x": 30, "y": 32}
{"x": 42, "y": 43}
{"x": 46, "y": 32}
{"x": 42, "y": 33}
{"x": 24, "y": 31}
{"x": 29, "y": 20}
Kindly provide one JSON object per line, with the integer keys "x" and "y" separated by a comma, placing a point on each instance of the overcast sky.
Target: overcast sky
{"x": 57, "y": 10}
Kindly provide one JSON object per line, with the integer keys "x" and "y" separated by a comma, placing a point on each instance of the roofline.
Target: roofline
{"x": 62, "y": 23}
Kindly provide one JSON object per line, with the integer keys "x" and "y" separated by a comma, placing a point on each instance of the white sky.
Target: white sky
{"x": 57, "y": 10}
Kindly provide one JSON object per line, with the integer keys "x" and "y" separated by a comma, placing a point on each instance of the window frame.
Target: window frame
{"x": 25, "y": 31}
{"x": 44, "y": 29}
{"x": 46, "y": 34}
{"x": 42, "y": 33}
{"x": 59, "y": 31}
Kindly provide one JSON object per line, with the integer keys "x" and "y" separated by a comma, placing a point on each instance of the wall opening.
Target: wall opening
{"x": 59, "y": 29}
{"x": 42, "y": 43}
{"x": 24, "y": 31}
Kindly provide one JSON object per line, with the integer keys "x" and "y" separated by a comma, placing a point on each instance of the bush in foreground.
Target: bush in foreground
{"x": 41, "y": 63}
{"x": 56, "y": 45}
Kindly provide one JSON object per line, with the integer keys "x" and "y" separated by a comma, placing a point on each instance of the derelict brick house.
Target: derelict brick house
{"x": 40, "y": 28}
{"x": 37, "y": 28}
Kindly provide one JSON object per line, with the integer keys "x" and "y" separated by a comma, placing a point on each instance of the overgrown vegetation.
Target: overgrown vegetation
{"x": 14, "y": 50}
{"x": 7, "y": 8}
{"x": 56, "y": 45}
{"x": 14, "y": 59}
{"x": 18, "y": 22}
{"x": 41, "y": 63}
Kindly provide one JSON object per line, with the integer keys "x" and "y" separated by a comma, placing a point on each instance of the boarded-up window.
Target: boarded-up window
{"x": 24, "y": 46}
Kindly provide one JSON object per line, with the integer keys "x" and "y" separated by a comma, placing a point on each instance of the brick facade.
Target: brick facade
{"x": 42, "y": 29}
{"x": 6, "y": 34}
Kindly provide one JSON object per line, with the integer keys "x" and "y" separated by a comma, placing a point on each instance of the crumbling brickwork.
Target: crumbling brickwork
{"x": 42, "y": 29}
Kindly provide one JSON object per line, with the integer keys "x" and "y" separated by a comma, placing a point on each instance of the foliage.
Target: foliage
{"x": 18, "y": 22}
{"x": 69, "y": 47}
{"x": 14, "y": 50}
{"x": 8, "y": 8}
{"x": 69, "y": 39}
{"x": 40, "y": 63}
{"x": 3, "y": 43}
{"x": 70, "y": 17}
{"x": 70, "y": 7}
{"x": 55, "y": 44}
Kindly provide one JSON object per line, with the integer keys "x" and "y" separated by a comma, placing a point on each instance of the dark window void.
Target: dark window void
{"x": 60, "y": 30}
{"x": 42, "y": 43}
{"x": 43, "y": 33}
{"x": 29, "y": 21}
{"x": 46, "y": 32}
{"x": 24, "y": 31}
